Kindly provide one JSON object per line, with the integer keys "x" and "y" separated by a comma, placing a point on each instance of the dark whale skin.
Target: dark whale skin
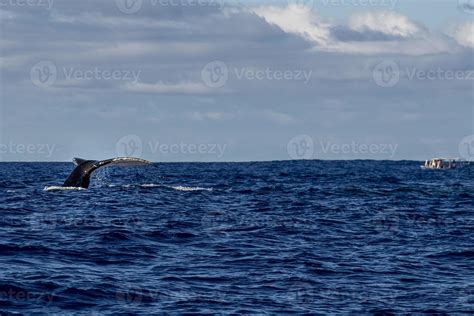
{"x": 80, "y": 177}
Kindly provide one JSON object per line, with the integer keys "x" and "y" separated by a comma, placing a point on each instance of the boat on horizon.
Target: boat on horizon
{"x": 445, "y": 163}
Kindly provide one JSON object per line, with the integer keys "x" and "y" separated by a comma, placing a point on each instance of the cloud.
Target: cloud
{"x": 164, "y": 88}
{"x": 99, "y": 20}
{"x": 304, "y": 23}
{"x": 212, "y": 116}
{"x": 377, "y": 32}
{"x": 465, "y": 34}
{"x": 170, "y": 46}
{"x": 280, "y": 118}
{"x": 385, "y": 22}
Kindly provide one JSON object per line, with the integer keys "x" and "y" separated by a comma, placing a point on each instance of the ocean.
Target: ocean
{"x": 302, "y": 237}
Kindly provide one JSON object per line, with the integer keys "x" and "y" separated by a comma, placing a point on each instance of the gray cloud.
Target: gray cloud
{"x": 256, "y": 110}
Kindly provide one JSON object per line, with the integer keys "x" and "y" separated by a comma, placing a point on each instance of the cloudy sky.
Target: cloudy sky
{"x": 190, "y": 80}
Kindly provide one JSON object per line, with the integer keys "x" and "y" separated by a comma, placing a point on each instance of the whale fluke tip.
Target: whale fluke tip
{"x": 78, "y": 161}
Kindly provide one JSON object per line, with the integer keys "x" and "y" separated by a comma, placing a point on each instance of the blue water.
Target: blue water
{"x": 321, "y": 237}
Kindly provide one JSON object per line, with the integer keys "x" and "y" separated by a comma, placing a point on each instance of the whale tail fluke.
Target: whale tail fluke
{"x": 78, "y": 161}
{"x": 80, "y": 176}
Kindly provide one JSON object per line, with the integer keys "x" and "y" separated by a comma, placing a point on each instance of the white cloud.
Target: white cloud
{"x": 465, "y": 34}
{"x": 161, "y": 87}
{"x": 385, "y": 22}
{"x": 429, "y": 44}
{"x": 278, "y": 117}
{"x": 305, "y": 23}
{"x": 213, "y": 116}
{"x": 98, "y": 19}
{"x": 402, "y": 36}
{"x": 137, "y": 48}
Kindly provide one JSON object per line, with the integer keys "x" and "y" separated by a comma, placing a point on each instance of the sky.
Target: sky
{"x": 216, "y": 80}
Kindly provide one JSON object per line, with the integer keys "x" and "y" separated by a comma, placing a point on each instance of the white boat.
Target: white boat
{"x": 445, "y": 163}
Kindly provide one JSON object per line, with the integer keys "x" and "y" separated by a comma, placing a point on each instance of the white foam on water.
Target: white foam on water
{"x": 147, "y": 185}
{"x": 175, "y": 187}
{"x": 183, "y": 188}
{"x": 56, "y": 188}
{"x": 151, "y": 185}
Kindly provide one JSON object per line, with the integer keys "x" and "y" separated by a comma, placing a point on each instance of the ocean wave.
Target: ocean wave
{"x": 147, "y": 185}
{"x": 183, "y": 188}
{"x": 320, "y": 238}
{"x": 176, "y": 187}
{"x": 58, "y": 188}
{"x": 151, "y": 185}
